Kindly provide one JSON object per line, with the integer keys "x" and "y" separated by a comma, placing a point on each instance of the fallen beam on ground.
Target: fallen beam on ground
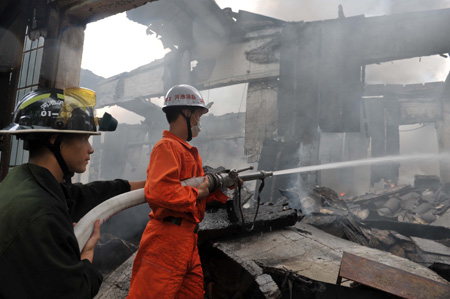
{"x": 389, "y": 279}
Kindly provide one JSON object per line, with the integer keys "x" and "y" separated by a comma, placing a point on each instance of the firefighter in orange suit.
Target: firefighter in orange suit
{"x": 167, "y": 264}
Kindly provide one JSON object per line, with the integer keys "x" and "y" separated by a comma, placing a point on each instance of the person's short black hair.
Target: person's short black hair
{"x": 173, "y": 112}
{"x": 35, "y": 143}
{"x": 39, "y": 141}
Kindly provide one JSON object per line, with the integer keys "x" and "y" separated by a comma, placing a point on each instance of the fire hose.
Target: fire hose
{"x": 84, "y": 228}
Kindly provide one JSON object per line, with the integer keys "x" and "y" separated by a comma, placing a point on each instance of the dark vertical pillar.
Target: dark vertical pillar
{"x": 339, "y": 77}
{"x": 376, "y": 124}
{"x": 50, "y": 55}
{"x": 298, "y": 94}
{"x": 12, "y": 33}
{"x": 392, "y": 138}
{"x": 63, "y": 50}
{"x": 71, "y": 42}
{"x": 383, "y": 118}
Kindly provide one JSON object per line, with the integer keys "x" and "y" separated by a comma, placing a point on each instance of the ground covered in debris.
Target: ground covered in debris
{"x": 408, "y": 221}
{"x": 297, "y": 244}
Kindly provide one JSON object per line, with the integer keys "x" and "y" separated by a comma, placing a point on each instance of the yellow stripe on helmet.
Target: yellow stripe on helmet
{"x": 40, "y": 97}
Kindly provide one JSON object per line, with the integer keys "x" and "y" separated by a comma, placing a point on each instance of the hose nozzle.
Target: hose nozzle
{"x": 256, "y": 176}
{"x": 226, "y": 179}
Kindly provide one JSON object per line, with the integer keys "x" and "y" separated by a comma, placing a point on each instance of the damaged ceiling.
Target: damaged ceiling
{"x": 303, "y": 73}
{"x": 298, "y": 73}
{"x": 310, "y": 75}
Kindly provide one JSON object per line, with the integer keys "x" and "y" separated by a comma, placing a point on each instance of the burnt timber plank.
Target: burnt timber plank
{"x": 430, "y": 232}
{"x": 390, "y": 279}
{"x": 309, "y": 252}
{"x": 94, "y": 10}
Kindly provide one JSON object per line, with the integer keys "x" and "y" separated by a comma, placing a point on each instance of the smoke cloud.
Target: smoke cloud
{"x": 229, "y": 102}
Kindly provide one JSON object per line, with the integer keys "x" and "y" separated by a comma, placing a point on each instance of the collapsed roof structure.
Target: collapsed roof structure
{"x": 304, "y": 79}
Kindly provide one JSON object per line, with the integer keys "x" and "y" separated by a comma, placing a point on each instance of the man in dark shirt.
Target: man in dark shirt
{"x": 39, "y": 253}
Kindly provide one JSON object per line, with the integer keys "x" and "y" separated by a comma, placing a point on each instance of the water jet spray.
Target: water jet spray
{"x": 107, "y": 209}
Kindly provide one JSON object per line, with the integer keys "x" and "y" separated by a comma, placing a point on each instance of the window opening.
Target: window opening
{"x": 28, "y": 81}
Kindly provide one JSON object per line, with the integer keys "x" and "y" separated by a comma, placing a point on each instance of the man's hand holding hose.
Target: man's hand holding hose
{"x": 88, "y": 251}
{"x": 203, "y": 189}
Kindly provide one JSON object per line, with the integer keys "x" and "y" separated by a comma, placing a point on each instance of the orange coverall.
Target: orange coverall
{"x": 167, "y": 264}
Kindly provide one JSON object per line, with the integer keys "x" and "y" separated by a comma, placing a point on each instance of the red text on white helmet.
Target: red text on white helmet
{"x": 184, "y": 95}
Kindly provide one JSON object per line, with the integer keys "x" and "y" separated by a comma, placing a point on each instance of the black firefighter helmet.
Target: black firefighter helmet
{"x": 45, "y": 110}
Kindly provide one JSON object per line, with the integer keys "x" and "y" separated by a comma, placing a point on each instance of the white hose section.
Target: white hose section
{"x": 84, "y": 228}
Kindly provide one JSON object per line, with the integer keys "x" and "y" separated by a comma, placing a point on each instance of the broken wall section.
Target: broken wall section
{"x": 261, "y": 117}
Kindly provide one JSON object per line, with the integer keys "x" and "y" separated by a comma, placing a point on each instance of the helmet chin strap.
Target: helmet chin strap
{"x": 188, "y": 123}
{"x": 56, "y": 150}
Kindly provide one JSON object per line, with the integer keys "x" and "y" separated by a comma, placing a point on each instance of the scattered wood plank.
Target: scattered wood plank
{"x": 389, "y": 279}
{"x": 430, "y": 232}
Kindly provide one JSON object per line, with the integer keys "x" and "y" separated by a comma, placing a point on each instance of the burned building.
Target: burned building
{"x": 306, "y": 80}
{"x": 307, "y": 103}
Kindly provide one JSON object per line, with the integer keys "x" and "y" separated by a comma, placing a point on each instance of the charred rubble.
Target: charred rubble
{"x": 403, "y": 220}
{"x": 400, "y": 220}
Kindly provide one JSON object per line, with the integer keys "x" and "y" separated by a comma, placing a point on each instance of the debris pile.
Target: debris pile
{"x": 403, "y": 220}
{"x": 298, "y": 243}
{"x": 422, "y": 204}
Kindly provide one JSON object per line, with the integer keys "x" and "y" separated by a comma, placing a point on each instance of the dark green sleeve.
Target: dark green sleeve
{"x": 45, "y": 255}
{"x": 84, "y": 197}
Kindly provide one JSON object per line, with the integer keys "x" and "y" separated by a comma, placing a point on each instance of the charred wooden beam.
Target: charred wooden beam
{"x": 429, "y": 91}
{"x": 399, "y": 190}
{"x": 94, "y": 10}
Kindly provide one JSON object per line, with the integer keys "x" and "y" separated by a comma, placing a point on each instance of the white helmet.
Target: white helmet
{"x": 184, "y": 95}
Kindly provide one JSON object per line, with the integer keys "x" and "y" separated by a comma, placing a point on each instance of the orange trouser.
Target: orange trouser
{"x": 167, "y": 264}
